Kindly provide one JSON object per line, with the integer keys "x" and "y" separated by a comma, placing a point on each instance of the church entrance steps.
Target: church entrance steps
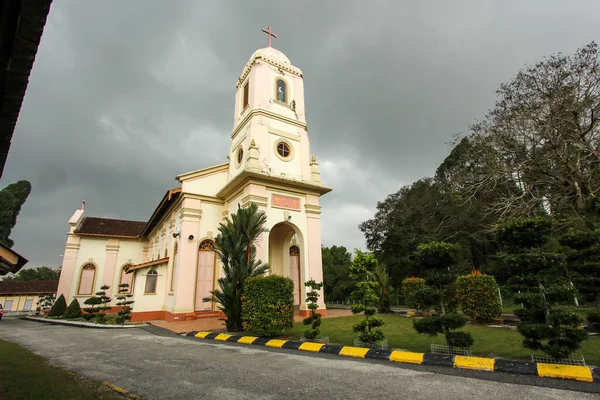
{"x": 213, "y": 321}
{"x": 207, "y": 314}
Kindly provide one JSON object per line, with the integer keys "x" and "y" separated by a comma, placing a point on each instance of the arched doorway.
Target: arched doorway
{"x": 285, "y": 247}
{"x": 205, "y": 274}
{"x": 295, "y": 272}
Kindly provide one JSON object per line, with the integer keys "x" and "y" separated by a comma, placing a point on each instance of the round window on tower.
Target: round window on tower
{"x": 240, "y": 155}
{"x": 283, "y": 150}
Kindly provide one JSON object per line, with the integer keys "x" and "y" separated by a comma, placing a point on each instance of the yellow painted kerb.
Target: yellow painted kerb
{"x": 223, "y": 336}
{"x": 353, "y": 351}
{"x": 576, "y": 372}
{"x": 202, "y": 335}
{"x": 247, "y": 339}
{"x": 115, "y": 388}
{"x": 122, "y": 391}
{"x": 275, "y": 343}
{"x": 479, "y": 363}
{"x": 310, "y": 346}
{"x": 406, "y": 357}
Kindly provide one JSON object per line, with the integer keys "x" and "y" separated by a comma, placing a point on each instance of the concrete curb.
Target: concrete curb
{"x": 81, "y": 324}
{"x": 579, "y": 373}
{"x": 122, "y": 391}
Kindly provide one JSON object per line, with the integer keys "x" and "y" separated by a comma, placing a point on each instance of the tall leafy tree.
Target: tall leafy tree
{"x": 12, "y": 199}
{"x": 236, "y": 249}
{"x": 336, "y": 273}
{"x": 35, "y": 274}
{"x": 545, "y": 131}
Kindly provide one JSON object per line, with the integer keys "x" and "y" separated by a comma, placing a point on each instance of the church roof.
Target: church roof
{"x": 272, "y": 54}
{"x": 94, "y": 226}
{"x": 10, "y": 261}
{"x": 28, "y": 287}
{"x": 169, "y": 198}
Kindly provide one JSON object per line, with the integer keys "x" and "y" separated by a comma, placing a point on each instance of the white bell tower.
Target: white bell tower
{"x": 269, "y": 130}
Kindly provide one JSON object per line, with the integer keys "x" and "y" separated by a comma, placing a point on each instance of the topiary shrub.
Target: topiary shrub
{"x": 559, "y": 337}
{"x": 445, "y": 324}
{"x": 314, "y": 319}
{"x": 59, "y": 307}
{"x": 268, "y": 305}
{"x": 367, "y": 292}
{"x": 74, "y": 310}
{"x": 90, "y": 312}
{"x": 593, "y": 318}
{"x": 124, "y": 300}
{"x": 478, "y": 296}
{"x": 410, "y": 286}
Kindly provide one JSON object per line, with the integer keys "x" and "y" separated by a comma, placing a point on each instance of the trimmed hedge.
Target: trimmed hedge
{"x": 478, "y": 296}
{"x": 59, "y": 307}
{"x": 410, "y": 286}
{"x": 268, "y": 305}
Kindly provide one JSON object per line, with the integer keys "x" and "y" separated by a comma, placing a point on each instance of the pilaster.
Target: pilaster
{"x": 108, "y": 272}
{"x": 68, "y": 273}
{"x": 190, "y": 215}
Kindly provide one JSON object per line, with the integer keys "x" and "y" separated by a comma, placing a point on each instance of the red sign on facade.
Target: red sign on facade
{"x": 291, "y": 203}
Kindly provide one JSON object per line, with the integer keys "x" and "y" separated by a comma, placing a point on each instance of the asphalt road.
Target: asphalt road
{"x": 167, "y": 366}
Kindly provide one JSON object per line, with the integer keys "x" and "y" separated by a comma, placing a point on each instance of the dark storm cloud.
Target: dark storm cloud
{"x": 124, "y": 95}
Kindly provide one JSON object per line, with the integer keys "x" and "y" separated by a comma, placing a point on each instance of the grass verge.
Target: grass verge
{"x": 489, "y": 342}
{"x": 25, "y": 376}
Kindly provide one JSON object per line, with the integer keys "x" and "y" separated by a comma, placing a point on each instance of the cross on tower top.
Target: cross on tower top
{"x": 269, "y": 34}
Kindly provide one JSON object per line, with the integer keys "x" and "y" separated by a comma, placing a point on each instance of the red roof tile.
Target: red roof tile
{"x": 32, "y": 287}
{"x": 110, "y": 227}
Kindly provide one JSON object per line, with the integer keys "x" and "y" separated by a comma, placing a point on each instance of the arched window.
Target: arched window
{"x": 207, "y": 245}
{"x": 166, "y": 253}
{"x": 126, "y": 279}
{"x": 151, "y": 281}
{"x": 281, "y": 91}
{"x": 86, "y": 279}
{"x": 173, "y": 276}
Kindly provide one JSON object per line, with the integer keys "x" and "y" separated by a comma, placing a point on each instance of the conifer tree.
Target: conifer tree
{"x": 74, "y": 310}
{"x": 59, "y": 307}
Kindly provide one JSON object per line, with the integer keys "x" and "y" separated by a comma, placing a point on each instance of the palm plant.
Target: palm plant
{"x": 235, "y": 247}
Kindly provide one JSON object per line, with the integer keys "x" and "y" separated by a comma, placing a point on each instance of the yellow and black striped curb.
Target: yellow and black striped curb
{"x": 579, "y": 373}
{"x": 122, "y": 391}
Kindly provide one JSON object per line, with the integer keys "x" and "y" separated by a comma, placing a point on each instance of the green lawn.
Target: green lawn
{"x": 490, "y": 342}
{"x": 25, "y": 376}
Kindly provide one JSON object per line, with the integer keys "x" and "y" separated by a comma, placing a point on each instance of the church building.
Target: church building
{"x": 169, "y": 261}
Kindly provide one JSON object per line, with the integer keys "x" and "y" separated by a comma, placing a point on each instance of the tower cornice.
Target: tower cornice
{"x": 266, "y": 113}
{"x": 269, "y": 60}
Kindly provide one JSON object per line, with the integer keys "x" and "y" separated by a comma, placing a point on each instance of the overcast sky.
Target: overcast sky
{"x": 125, "y": 95}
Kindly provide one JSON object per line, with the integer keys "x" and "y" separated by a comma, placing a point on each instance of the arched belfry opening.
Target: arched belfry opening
{"x": 205, "y": 274}
{"x": 285, "y": 249}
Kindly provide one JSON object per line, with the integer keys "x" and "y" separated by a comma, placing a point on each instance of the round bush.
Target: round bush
{"x": 268, "y": 305}
{"x": 409, "y": 287}
{"x": 478, "y": 296}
